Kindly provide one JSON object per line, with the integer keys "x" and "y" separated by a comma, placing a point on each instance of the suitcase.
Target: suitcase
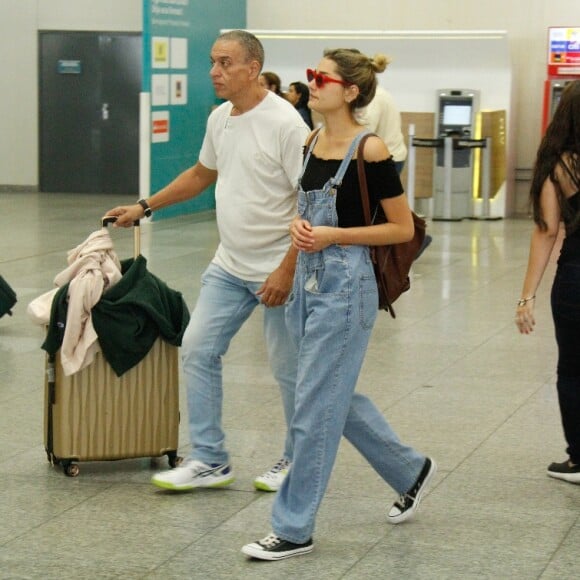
{"x": 7, "y": 298}
{"x": 94, "y": 415}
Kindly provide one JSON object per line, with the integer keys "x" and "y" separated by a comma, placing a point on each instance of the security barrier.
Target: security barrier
{"x": 449, "y": 144}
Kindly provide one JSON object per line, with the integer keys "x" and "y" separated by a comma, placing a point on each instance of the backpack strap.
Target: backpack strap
{"x": 312, "y": 140}
{"x": 362, "y": 178}
{"x": 308, "y": 148}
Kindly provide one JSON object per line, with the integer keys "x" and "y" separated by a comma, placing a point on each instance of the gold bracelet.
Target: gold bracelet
{"x": 524, "y": 301}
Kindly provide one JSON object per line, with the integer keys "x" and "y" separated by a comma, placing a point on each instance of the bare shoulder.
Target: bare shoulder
{"x": 375, "y": 149}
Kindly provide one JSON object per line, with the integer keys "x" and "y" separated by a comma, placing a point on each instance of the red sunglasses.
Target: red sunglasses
{"x": 321, "y": 79}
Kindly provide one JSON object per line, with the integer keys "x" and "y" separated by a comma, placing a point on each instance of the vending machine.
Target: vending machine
{"x": 456, "y": 116}
{"x": 563, "y": 67}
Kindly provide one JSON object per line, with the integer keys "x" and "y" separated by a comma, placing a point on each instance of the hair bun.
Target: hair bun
{"x": 379, "y": 62}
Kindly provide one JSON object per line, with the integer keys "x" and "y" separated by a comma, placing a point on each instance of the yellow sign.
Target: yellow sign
{"x": 160, "y": 52}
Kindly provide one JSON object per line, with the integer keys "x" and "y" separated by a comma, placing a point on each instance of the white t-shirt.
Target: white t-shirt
{"x": 258, "y": 158}
{"x": 381, "y": 116}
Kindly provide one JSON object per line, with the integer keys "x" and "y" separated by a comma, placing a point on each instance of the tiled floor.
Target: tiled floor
{"x": 450, "y": 373}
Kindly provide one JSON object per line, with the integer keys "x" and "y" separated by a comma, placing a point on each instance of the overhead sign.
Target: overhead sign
{"x": 564, "y": 51}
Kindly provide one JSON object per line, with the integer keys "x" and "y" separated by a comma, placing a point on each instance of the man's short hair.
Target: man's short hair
{"x": 251, "y": 45}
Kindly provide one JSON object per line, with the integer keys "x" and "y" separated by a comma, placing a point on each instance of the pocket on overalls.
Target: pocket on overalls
{"x": 332, "y": 272}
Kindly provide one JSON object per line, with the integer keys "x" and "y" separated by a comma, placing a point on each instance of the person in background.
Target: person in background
{"x": 298, "y": 95}
{"x": 271, "y": 81}
{"x": 332, "y": 309}
{"x": 555, "y": 198}
{"x": 382, "y": 116}
{"x": 252, "y": 151}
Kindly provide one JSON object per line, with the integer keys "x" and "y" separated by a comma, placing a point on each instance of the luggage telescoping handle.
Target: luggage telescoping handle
{"x": 111, "y": 219}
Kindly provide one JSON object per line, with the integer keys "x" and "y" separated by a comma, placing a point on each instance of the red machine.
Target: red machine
{"x": 563, "y": 66}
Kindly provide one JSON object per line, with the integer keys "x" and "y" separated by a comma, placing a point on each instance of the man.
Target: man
{"x": 382, "y": 116}
{"x": 252, "y": 150}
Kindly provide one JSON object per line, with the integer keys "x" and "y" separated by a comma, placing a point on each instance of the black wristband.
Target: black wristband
{"x": 146, "y": 209}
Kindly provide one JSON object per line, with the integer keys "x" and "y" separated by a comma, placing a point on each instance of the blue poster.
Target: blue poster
{"x": 177, "y": 40}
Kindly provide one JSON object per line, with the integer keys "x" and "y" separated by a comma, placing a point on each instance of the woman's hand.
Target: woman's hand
{"x": 311, "y": 239}
{"x": 524, "y": 318}
{"x": 301, "y": 234}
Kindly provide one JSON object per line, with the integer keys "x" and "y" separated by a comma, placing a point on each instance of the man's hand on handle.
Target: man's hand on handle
{"x": 126, "y": 215}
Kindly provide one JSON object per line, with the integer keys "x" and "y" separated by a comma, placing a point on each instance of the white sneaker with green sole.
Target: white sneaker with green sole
{"x": 193, "y": 473}
{"x": 272, "y": 479}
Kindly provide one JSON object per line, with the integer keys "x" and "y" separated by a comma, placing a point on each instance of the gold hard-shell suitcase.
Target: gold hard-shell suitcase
{"x": 94, "y": 415}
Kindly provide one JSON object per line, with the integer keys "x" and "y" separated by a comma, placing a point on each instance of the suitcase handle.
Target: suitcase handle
{"x": 111, "y": 219}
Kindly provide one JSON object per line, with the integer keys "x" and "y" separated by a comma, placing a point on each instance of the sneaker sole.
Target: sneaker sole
{"x": 189, "y": 487}
{"x": 260, "y": 554}
{"x": 411, "y": 512}
{"x": 569, "y": 477}
{"x": 261, "y": 486}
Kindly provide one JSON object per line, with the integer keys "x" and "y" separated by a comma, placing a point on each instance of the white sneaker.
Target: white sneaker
{"x": 192, "y": 473}
{"x": 272, "y": 479}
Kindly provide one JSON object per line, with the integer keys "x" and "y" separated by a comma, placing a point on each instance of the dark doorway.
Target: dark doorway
{"x": 89, "y": 112}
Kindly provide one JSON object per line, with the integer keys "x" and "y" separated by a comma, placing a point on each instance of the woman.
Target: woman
{"x": 332, "y": 309}
{"x": 555, "y": 197}
{"x": 298, "y": 95}
{"x": 271, "y": 81}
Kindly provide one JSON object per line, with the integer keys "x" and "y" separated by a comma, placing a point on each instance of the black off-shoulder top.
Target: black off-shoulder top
{"x": 383, "y": 182}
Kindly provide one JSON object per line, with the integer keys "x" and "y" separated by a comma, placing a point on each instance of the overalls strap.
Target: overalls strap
{"x": 336, "y": 181}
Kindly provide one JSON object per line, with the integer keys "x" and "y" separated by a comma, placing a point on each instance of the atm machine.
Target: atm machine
{"x": 456, "y": 114}
{"x": 563, "y": 67}
{"x": 552, "y": 92}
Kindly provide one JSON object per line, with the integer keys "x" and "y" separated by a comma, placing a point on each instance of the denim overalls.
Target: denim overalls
{"x": 330, "y": 315}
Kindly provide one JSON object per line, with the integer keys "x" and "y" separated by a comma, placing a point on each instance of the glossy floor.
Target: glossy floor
{"x": 450, "y": 373}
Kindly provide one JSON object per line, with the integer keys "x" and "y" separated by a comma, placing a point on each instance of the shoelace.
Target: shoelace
{"x": 282, "y": 464}
{"x": 410, "y": 495}
{"x": 402, "y": 501}
{"x": 270, "y": 541}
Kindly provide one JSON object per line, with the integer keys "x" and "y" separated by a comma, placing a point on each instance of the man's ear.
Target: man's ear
{"x": 254, "y": 69}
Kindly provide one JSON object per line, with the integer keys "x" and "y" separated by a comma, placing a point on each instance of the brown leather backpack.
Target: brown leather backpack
{"x": 391, "y": 263}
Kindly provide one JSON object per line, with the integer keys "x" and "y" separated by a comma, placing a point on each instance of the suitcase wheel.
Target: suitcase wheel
{"x": 173, "y": 459}
{"x": 71, "y": 469}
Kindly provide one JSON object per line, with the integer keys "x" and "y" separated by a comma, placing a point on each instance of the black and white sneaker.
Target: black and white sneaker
{"x": 274, "y": 548}
{"x": 406, "y": 506}
{"x": 565, "y": 471}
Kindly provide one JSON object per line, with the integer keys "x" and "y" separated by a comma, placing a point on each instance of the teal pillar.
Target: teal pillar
{"x": 177, "y": 40}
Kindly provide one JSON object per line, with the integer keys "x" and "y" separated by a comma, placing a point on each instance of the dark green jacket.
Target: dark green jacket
{"x": 129, "y": 317}
{"x": 7, "y": 298}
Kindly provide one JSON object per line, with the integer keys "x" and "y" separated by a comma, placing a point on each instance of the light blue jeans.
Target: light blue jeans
{"x": 330, "y": 314}
{"x": 224, "y": 304}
